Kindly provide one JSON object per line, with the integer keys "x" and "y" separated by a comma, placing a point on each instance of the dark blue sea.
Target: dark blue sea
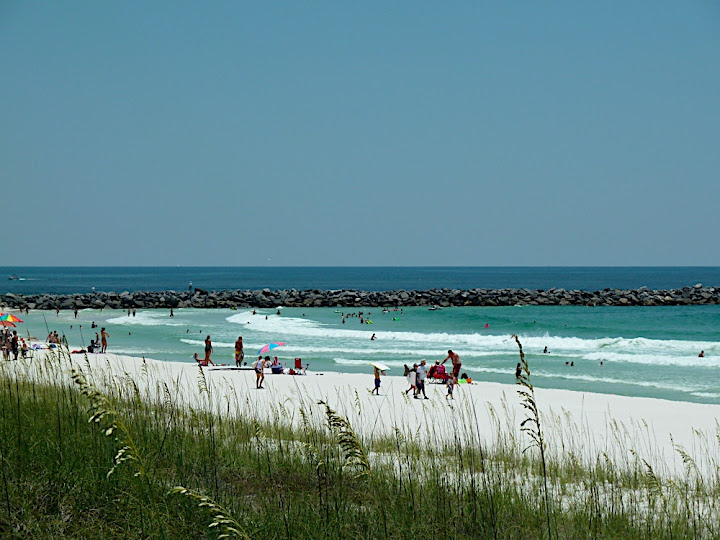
{"x": 63, "y": 280}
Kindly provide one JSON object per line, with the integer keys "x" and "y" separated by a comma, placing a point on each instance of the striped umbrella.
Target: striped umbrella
{"x": 9, "y": 317}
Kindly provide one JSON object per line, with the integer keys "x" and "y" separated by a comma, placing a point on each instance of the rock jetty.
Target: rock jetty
{"x": 199, "y": 298}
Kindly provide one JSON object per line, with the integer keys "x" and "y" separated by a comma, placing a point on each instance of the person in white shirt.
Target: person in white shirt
{"x": 421, "y": 375}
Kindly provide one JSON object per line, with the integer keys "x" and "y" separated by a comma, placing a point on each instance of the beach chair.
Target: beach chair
{"x": 299, "y": 368}
{"x": 439, "y": 374}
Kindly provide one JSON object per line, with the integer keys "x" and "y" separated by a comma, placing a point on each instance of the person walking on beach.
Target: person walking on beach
{"x": 103, "y": 340}
{"x": 420, "y": 376}
{"x": 518, "y": 371}
{"x": 410, "y": 375}
{"x": 208, "y": 348}
{"x": 239, "y": 353}
{"x": 376, "y": 390}
{"x": 457, "y": 364}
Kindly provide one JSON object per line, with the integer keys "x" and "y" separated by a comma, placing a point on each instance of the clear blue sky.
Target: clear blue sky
{"x": 360, "y": 133}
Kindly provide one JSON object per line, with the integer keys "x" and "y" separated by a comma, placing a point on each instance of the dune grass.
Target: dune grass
{"x": 89, "y": 455}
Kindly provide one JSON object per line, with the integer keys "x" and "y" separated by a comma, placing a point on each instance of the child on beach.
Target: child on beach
{"x": 376, "y": 390}
{"x": 450, "y": 386}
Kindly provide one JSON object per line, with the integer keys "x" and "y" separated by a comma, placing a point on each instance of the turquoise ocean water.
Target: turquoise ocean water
{"x": 646, "y": 351}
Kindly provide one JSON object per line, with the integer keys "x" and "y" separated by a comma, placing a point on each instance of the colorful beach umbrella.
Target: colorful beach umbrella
{"x": 6, "y": 323}
{"x": 9, "y": 317}
{"x": 269, "y": 347}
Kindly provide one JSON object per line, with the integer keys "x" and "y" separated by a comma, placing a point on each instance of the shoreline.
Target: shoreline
{"x": 349, "y": 298}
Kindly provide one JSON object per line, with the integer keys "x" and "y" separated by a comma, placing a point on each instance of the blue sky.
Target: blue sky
{"x": 360, "y": 133}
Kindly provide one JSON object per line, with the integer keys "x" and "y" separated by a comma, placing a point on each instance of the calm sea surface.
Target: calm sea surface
{"x": 645, "y": 351}
{"x": 70, "y": 280}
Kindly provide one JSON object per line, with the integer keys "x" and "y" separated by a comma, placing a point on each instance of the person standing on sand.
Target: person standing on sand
{"x": 376, "y": 390}
{"x": 208, "y": 348}
{"x": 103, "y": 340}
{"x": 259, "y": 372}
{"x": 421, "y": 375}
{"x": 239, "y": 353}
{"x": 457, "y": 364}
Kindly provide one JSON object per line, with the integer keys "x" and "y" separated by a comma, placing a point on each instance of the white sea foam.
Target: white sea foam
{"x": 146, "y": 318}
{"x": 479, "y": 343}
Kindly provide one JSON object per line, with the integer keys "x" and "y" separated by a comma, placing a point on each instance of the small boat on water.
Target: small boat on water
{"x": 14, "y": 277}
{"x": 434, "y": 308}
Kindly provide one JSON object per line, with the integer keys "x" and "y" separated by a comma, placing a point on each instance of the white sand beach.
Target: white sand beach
{"x": 586, "y": 424}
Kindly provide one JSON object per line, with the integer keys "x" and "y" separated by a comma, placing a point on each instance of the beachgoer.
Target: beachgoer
{"x": 518, "y": 371}
{"x": 171, "y": 312}
{"x": 411, "y": 376}
{"x": 134, "y": 311}
{"x": 278, "y": 312}
{"x": 203, "y": 361}
{"x": 239, "y": 353}
{"x": 455, "y": 359}
{"x": 377, "y": 373}
{"x": 702, "y": 354}
{"x": 14, "y": 345}
{"x": 450, "y": 385}
{"x": 420, "y": 379}
{"x": 208, "y": 348}
{"x": 190, "y": 286}
{"x": 545, "y": 350}
{"x": 373, "y": 338}
{"x": 433, "y": 369}
{"x": 260, "y": 371}
{"x": 75, "y": 311}
{"x": 103, "y": 340}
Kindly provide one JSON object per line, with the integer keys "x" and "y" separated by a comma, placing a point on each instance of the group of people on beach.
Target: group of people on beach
{"x": 12, "y": 344}
{"x": 419, "y": 374}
